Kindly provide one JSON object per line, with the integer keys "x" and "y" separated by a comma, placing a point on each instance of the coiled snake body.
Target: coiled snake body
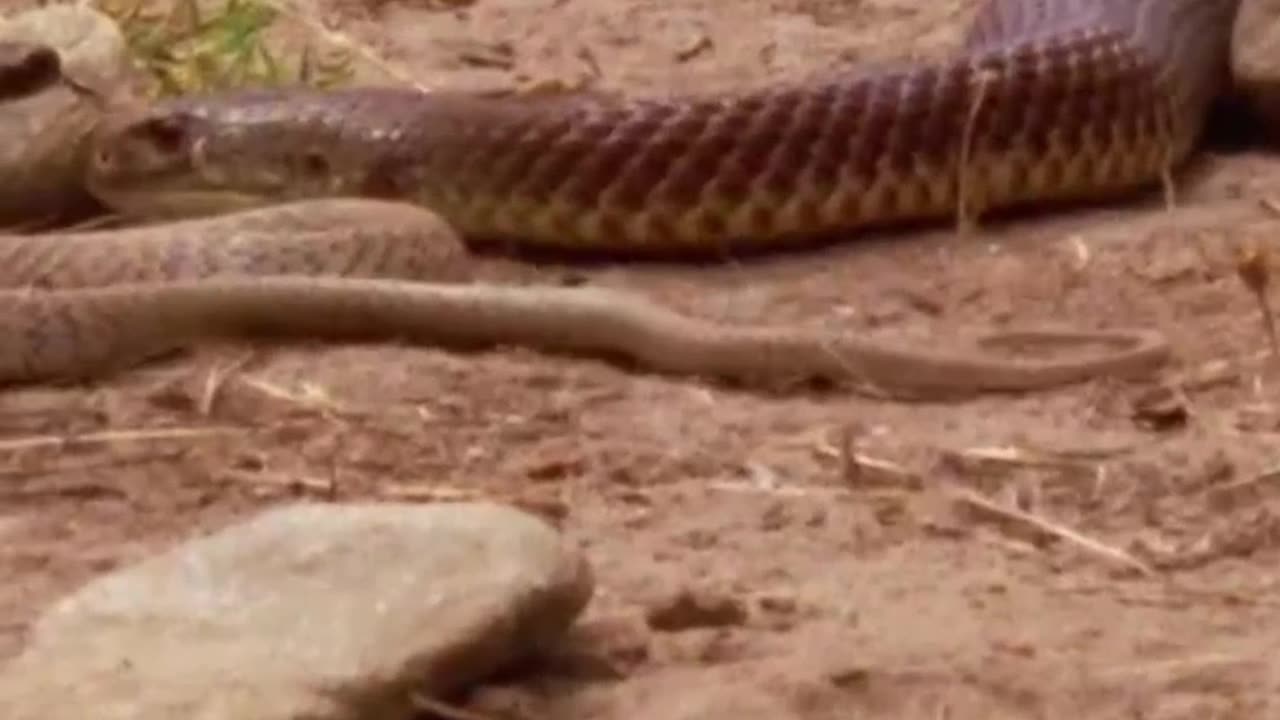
{"x": 1049, "y": 100}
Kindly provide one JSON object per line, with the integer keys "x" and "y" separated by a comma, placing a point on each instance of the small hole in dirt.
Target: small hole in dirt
{"x": 1234, "y": 126}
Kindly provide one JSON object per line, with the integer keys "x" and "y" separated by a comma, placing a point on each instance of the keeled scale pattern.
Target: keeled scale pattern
{"x": 1051, "y": 100}
{"x": 822, "y": 158}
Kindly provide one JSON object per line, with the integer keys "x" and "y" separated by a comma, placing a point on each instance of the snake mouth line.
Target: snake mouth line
{"x": 171, "y": 204}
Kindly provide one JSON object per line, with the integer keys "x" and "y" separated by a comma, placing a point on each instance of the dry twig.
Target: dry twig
{"x": 966, "y": 212}
{"x": 1045, "y": 528}
{"x": 107, "y": 437}
{"x": 444, "y": 710}
{"x": 217, "y": 378}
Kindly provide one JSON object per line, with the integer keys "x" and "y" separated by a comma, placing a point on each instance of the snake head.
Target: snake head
{"x": 180, "y": 158}
{"x": 202, "y": 155}
{"x": 145, "y": 164}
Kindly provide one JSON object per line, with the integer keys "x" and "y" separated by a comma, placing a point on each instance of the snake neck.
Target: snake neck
{"x": 1081, "y": 119}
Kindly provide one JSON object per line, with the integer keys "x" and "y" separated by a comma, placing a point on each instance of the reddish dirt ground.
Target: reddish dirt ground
{"x": 812, "y": 554}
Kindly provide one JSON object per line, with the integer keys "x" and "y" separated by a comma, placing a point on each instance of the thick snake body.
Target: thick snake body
{"x": 1048, "y": 101}
{"x": 95, "y": 302}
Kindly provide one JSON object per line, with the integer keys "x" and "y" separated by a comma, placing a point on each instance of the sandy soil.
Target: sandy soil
{"x": 810, "y": 555}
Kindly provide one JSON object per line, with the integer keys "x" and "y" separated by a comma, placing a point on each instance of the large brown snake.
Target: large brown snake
{"x": 1049, "y": 100}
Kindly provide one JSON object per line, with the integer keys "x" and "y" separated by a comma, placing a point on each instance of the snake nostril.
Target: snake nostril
{"x": 314, "y": 164}
{"x": 103, "y": 159}
{"x": 167, "y": 134}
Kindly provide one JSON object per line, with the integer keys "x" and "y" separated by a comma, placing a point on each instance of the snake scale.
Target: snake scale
{"x": 1048, "y": 100}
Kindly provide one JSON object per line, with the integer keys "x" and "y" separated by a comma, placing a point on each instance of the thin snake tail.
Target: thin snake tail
{"x": 77, "y": 334}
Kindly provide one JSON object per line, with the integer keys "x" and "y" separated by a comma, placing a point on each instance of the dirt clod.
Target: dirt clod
{"x": 688, "y": 609}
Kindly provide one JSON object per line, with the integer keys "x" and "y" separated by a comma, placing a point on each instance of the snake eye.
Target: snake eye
{"x": 167, "y": 133}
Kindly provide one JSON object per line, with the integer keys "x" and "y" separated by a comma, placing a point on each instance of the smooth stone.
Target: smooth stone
{"x": 46, "y": 134}
{"x": 310, "y": 611}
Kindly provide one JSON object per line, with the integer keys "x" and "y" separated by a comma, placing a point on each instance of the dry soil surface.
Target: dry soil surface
{"x": 1105, "y": 550}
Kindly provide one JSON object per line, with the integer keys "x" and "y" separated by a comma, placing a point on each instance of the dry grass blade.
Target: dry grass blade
{"x": 983, "y": 507}
{"x": 1253, "y": 268}
{"x": 443, "y": 710}
{"x": 967, "y": 208}
{"x": 114, "y": 436}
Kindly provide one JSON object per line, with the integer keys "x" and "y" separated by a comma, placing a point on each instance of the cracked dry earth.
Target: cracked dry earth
{"x": 819, "y": 554}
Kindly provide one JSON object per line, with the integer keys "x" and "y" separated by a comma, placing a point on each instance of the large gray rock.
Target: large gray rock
{"x": 313, "y": 611}
{"x": 1255, "y": 59}
{"x": 46, "y": 133}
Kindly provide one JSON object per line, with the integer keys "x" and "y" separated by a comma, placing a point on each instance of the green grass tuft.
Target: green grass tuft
{"x": 182, "y": 52}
